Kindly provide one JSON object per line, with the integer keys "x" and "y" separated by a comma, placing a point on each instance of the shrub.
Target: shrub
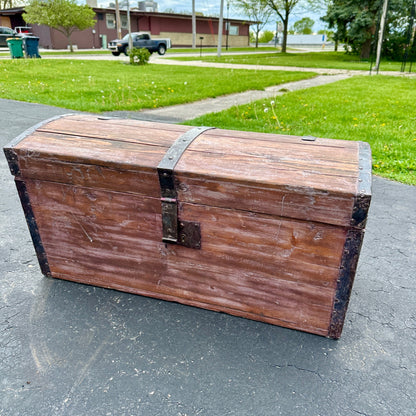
{"x": 139, "y": 56}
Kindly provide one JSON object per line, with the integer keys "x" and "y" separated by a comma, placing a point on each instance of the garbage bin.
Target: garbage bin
{"x": 15, "y": 47}
{"x": 31, "y": 46}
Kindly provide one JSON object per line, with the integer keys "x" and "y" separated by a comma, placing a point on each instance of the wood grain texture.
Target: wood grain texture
{"x": 278, "y": 175}
{"x": 264, "y": 266}
{"x": 274, "y": 211}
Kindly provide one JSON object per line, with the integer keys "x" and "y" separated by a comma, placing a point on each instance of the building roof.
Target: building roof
{"x": 18, "y": 10}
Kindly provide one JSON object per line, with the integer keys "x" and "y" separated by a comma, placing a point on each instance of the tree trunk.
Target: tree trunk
{"x": 366, "y": 49}
{"x": 285, "y": 30}
{"x": 71, "y": 49}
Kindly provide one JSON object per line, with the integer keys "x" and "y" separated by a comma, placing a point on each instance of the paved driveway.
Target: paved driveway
{"x": 70, "y": 349}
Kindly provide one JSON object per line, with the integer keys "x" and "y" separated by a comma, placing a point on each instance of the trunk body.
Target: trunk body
{"x": 269, "y": 227}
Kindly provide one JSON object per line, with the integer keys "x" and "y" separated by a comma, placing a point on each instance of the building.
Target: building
{"x": 177, "y": 27}
{"x": 148, "y": 6}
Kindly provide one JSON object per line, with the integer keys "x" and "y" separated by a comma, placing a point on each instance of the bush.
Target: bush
{"x": 266, "y": 36}
{"x": 139, "y": 56}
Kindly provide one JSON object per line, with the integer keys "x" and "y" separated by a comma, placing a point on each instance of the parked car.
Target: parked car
{"x": 23, "y": 31}
{"x": 5, "y": 33}
{"x": 140, "y": 40}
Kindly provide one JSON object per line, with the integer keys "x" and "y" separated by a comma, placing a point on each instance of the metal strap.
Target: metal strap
{"x": 175, "y": 231}
{"x": 178, "y": 148}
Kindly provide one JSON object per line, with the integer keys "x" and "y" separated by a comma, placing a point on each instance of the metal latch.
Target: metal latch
{"x": 176, "y": 231}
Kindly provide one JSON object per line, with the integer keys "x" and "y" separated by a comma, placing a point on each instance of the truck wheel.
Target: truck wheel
{"x": 126, "y": 51}
{"x": 116, "y": 53}
{"x": 161, "y": 49}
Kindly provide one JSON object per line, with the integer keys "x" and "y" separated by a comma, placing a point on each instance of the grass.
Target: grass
{"x": 98, "y": 86}
{"x": 336, "y": 60}
{"x": 379, "y": 110}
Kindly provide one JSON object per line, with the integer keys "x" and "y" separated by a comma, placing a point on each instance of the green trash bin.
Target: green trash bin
{"x": 31, "y": 46}
{"x": 16, "y": 47}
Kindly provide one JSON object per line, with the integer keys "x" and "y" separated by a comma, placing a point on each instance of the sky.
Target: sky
{"x": 212, "y": 8}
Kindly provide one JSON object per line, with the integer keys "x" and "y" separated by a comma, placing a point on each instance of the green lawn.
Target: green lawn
{"x": 379, "y": 110}
{"x": 337, "y": 60}
{"x": 98, "y": 86}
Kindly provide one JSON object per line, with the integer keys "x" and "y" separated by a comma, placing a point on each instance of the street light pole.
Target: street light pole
{"x": 381, "y": 33}
{"x": 193, "y": 25}
{"x": 129, "y": 26}
{"x": 220, "y": 28}
{"x": 227, "y": 25}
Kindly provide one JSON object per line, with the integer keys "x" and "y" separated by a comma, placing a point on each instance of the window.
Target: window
{"x": 234, "y": 30}
{"x": 6, "y": 31}
{"x": 124, "y": 23}
{"x": 111, "y": 21}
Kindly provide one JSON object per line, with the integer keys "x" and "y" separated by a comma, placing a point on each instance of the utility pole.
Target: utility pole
{"x": 227, "y": 24}
{"x": 381, "y": 34}
{"x": 118, "y": 21}
{"x": 193, "y": 25}
{"x": 129, "y": 25}
{"x": 220, "y": 27}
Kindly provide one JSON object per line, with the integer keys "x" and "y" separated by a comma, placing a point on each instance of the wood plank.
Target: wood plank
{"x": 269, "y": 172}
{"x": 78, "y": 149}
{"x": 130, "y": 131}
{"x": 299, "y": 203}
{"x": 141, "y": 181}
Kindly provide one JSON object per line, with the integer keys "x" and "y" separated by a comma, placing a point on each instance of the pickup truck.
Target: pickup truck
{"x": 140, "y": 40}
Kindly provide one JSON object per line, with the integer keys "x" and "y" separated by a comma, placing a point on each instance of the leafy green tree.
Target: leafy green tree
{"x": 355, "y": 22}
{"x": 66, "y": 16}
{"x": 283, "y": 9}
{"x": 266, "y": 36}
{"x": 304, "y": 26}
{"x": 255, "y": 11}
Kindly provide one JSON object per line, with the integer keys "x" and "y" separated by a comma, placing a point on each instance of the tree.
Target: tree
{"x": 254, "y": 10}
{"x": 282, "y": 8}
{"x": 356, "y": 21}
{"x": 9, "y": 4}
{"x": 66, "y": 16}
{"x": 304, "y": 26}
{"x": 266, "y": 36}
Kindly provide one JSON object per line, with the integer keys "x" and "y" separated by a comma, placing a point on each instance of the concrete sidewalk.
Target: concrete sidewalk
{"x": 182, "y": 112}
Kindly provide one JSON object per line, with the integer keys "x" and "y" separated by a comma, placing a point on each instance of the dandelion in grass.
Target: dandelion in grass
{"x": 275, "y": 118}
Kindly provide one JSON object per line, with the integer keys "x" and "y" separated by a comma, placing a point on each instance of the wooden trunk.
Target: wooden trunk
{"x": 269, "y": 227}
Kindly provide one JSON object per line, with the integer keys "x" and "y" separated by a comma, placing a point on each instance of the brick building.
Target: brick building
{"x": 177, "y": 27}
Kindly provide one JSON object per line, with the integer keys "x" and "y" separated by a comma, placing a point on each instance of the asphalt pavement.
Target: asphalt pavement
{"x": 71, "y": 349}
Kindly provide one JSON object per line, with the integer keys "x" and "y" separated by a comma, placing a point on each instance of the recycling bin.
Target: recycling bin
{"x": 16, "y": 47}
{"x": 31, "y": 46}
